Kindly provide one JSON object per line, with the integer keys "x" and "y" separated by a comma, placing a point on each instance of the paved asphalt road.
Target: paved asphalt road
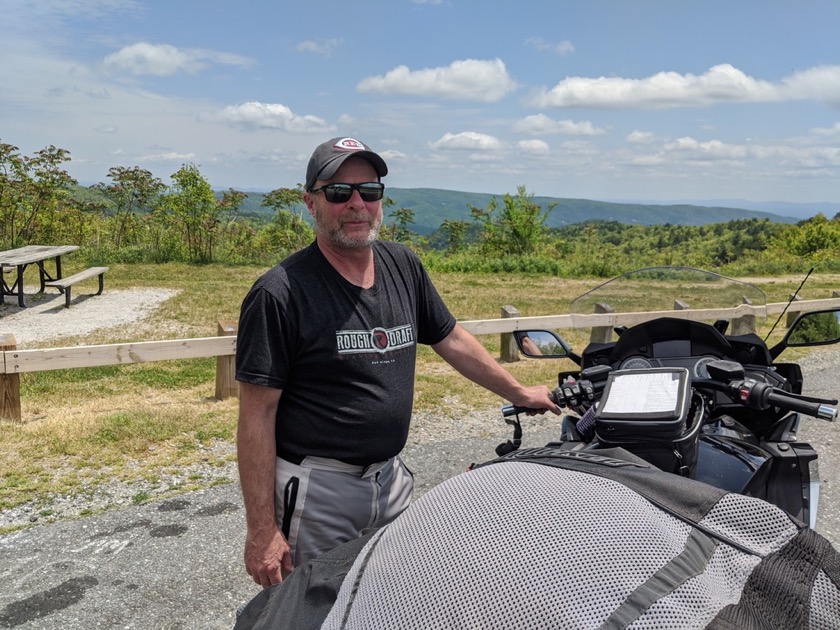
{"x": 177, "y": 564}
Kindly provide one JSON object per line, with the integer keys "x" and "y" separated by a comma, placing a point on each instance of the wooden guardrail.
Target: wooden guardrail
{"x": 14, "y": 362}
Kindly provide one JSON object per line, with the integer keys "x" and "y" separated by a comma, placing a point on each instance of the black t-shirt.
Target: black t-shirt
{"x": 344, "y": 356}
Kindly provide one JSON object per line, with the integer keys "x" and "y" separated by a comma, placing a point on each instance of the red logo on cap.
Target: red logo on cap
{"x": 349, "y": 144}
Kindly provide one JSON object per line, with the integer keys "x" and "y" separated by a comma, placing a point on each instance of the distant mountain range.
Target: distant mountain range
{"x": 783, "y": 208}
{"x": 431, "y": 206}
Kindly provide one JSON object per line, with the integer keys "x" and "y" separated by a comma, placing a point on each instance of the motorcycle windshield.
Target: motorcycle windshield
{"x": 702, "y": 295}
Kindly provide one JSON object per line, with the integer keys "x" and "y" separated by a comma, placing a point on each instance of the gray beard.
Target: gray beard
{"x": 345, "y": 242}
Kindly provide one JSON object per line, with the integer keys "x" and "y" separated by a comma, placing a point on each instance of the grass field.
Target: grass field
{"x": 82, "y": 425}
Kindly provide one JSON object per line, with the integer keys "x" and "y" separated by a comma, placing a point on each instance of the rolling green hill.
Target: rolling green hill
{"x": 431, "y": 206}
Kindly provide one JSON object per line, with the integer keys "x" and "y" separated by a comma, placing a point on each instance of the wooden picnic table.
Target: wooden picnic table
{"x": 18, "y": 259}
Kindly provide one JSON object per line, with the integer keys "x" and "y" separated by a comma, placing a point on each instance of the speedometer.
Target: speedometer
{"x": 636, "y": 363}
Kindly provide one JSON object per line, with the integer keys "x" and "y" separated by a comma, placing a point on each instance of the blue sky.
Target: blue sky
{"x": 608, "y": 100}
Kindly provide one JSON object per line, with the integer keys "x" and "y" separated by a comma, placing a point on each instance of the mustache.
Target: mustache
{"x": 352, "y": 217}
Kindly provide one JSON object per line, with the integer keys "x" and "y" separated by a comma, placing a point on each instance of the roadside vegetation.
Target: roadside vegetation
{"x": 85, "y": 425}
{"x": 133, "y": 217}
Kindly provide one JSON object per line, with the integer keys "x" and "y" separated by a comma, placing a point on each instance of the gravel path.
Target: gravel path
{"x": 45, "y": 317}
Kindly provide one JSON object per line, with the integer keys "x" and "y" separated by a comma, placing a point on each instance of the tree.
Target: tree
{"x": 32, "y": 190}
{"x": 288, "y": 230}
{"x": 811, "y": 236}
{"x": 132, "y": 191}
{"x": 398, "y": 229}
{"x": 516, "y": 227}
{"x": 194, "y": 211}
{"x": 455, "y": 233}
{"x": 235, "y": 234}
{"x": 13, "y": 181}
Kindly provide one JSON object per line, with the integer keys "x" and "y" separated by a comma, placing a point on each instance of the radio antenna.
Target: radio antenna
{"x": 790, "y": 301}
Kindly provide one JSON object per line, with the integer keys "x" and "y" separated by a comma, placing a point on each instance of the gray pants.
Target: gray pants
{"x": 322, "y": 502}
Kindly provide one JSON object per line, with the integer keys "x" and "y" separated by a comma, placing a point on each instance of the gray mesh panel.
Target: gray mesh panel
{"x": 769, "y": 529}
{"x": 825, "y": 604}
{"x": 695, "y": 603}
{"x": 463, "y": 557}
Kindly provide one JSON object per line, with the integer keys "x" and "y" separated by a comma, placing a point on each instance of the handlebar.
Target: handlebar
{"x": 570, "y": 393}
{"x": 762, "y": 396}
{"x": 751, "y": 393}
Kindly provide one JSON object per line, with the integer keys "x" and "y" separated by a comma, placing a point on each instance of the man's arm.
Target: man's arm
{"x": 267, "y": 554}
{"x": 466, "y": 354}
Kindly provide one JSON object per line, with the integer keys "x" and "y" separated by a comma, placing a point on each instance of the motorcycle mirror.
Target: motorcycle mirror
{"x": 817, "y": 328}
{"x": 542, "y": 344}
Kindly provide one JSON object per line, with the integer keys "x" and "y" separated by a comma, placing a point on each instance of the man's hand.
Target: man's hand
{"x": 268, "y": 558}
{"x": 464, "y": 352}
{"x": 536, "y": 398}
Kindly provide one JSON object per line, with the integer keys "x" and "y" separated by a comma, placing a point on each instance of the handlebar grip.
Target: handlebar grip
{"x": 515, "y": 410}
{"x": 512, "y": 410}
{"x": 815, "y": 409}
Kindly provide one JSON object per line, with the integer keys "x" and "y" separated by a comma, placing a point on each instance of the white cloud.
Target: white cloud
{"x": 467, "y": 140}
{"x": 640, "y": 137}
{"x": 540, "y": 124}
{"x": 165, "y": 60}
{"x": 821, "y": 83}
{"x": 469, "y": 80}
{"x": 324, "y": 47}
{"x": 827, "y": 131}
{"x": 715, "y": 150}
{"x": 167, "y": 156}
{"x": 564, "y": 47}
{"x": 709, "y": 150}
{"x": 533, "y": 147}
{"x": 720, "y": 84}
{"x": 255, "y": 115}
{"x": 647, "y": 160}
{"x": 392, "y": 154}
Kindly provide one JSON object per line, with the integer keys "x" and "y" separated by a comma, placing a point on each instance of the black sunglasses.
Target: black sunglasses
{"x": 341, "y": 193}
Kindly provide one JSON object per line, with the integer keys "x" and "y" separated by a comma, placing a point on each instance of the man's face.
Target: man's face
{"x": 355, "y": 223}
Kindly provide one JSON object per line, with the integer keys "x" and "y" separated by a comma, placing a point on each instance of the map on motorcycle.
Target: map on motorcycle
{"x": 652, "y": 393}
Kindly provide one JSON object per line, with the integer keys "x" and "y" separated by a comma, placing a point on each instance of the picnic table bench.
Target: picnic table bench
{"x": 15, "y": 261}
{"x": 64, "y": 284}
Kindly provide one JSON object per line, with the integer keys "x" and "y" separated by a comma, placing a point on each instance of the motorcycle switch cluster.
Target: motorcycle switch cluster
{"x": 575, "y": 392}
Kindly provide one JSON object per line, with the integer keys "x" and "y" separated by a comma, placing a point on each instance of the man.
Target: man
{"x": 325, "y": 356}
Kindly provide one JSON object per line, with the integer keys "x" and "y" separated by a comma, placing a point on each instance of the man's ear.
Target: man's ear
{"x": 307, "y": 199}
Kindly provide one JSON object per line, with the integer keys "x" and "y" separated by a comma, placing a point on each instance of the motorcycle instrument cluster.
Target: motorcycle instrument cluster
{"x": 695, "y": 365}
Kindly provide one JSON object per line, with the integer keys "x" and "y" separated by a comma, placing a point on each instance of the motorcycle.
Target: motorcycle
{"x": 581, "y": 534}
{"x": 704, "y": 397}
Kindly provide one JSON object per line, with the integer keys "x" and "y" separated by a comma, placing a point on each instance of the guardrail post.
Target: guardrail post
{"x": 226, "y": 383}
{"x": 744, "y": 324}
{"x": 791, "y": 314}
{"x": 509, "y": 351}
{"x": 602, "y": 334}
{"x": 9, "y": 383}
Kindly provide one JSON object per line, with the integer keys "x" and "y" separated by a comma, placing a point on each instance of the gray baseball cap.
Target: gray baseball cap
{"x": 330, "y": 155}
